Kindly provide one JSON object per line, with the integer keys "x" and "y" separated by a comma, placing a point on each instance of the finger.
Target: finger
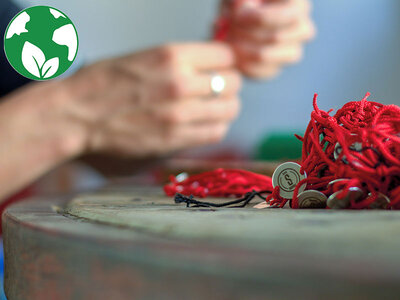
{"x": 195, "y": 135}
{"x": 202, "y": 56}
{"x": 259, "y": 71}
{"x": 198, "y": 110}
{"x": 269, "y": 54}
{"x": 273, "y": 15}
{"x": 198, "y": 85}
{"x": 301, "y": 31}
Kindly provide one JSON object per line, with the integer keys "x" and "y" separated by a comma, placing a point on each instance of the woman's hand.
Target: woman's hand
{"x": 154, "y": 102}
{"x": 267, "y": 34}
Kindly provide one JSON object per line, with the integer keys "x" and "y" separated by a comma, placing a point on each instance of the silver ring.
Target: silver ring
{"x": 217, "y": 84}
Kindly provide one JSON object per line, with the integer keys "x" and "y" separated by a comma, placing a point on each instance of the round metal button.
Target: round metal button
{"x": 354, "y": 193}
{"x": 312, "y": 199}
{"x": 381, "y": 202}
{"x": 287, "y": 176}
{"x": 337, "y": 180}
{"x": 357, "y": 146}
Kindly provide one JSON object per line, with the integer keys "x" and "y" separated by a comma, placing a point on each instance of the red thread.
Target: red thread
{"x": 219, "y": 183}
{"x": 368, "y": 136}
{"x": 374, "y": 168}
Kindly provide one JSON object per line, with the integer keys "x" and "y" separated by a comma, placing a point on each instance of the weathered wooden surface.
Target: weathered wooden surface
{"x": 132, "y": 243}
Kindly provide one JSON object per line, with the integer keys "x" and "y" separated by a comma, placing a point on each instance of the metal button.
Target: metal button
{"x": 354, "y": 193}
{"x": 381, "y": 202}
{"x": 312, "y": 199}
{"x": 343, "y": 180}
{"x": 287, "y": 176}
{"x": 357, "y": 146}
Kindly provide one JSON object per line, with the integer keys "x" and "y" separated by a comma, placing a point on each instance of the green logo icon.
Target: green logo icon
{"x": 41, "y": 42}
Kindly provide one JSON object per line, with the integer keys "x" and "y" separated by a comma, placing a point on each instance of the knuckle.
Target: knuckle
{"x": 174, "y": 88}
{"x": 167, "y": 54}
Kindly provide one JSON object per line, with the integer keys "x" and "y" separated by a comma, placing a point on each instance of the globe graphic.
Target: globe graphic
{"x": 41, "y": 43}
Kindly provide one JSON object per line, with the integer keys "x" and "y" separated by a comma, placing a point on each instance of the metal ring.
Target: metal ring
{"x": 217, "y": 84}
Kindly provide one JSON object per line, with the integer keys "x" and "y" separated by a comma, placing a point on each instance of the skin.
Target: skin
{"x": 147, "y": 104}
{"x": 270, "y": 35}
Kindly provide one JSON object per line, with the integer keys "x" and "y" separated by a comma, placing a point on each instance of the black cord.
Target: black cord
{"x": 242, "y": 202}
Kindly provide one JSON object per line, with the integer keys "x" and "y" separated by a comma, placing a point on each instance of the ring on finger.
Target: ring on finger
{"x": 217, "y": 84}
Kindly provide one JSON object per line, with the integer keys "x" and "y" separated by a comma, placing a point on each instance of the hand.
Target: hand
{"x": 156, "y": 101}
{"x": 270, "y": 34}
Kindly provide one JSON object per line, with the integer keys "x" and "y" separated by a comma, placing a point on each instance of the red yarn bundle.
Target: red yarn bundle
{"x": 360, "y": 144}
{"x": 219, "y": 183}
{"x": 368, "y": 134}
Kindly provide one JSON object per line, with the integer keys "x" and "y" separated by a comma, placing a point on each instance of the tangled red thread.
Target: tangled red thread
{"x": 359, "y": 144}
{"x": 219, "y": 183}
{"x": 368, "y": 136}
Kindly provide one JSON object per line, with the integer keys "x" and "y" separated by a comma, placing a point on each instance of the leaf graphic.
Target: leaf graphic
{"x": 50, "y": 67}
{"x": 32, "y": 59}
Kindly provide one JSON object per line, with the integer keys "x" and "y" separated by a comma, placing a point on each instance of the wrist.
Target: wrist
{"x": 51, "y": 121}
{"x": 70, "y": 132}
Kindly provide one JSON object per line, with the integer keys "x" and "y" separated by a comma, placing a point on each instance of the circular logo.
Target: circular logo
{"x": 41, "y": 42}
{"x": 288, "y": 179}
{"x": 287, "y": 176}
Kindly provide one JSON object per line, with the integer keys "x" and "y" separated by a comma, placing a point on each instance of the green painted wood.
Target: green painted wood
{"x": 133, "y": 243}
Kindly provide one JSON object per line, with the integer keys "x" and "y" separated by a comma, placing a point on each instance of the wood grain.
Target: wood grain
{"x": 133, "y": 243}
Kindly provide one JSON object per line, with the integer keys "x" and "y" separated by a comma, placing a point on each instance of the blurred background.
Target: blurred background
{"x": 357, "y": 49}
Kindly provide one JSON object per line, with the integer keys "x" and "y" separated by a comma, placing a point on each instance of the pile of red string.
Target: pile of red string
{"x": 219, "y": 183}
{"x": 359, "y": 144}
{"x": 368, "y": 136}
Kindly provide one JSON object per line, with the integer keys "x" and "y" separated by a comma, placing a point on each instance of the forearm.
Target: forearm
{"x": 35, "y": 135}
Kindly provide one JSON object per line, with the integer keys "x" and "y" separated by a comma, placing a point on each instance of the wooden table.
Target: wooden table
{"x": 134, "y": 243}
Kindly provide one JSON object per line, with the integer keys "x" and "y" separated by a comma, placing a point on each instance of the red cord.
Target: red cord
{"x": 374, "y": 166}
{"x": 219, "y": 183}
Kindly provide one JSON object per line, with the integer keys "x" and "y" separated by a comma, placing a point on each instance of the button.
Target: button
{"x": 312, "y": 199}
{"x": 357, "y": 146}
{"x": 381, "y": 202}
{"x": 343, "y": 180}
{"x": 337, "y": 180}
{"x": 287, "y": 176}
{"x": 354, "y": 193}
